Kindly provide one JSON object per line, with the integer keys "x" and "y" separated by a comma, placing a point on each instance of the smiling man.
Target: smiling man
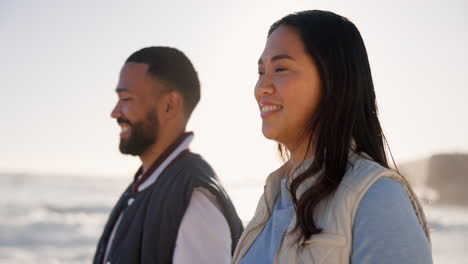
{"x": 175, "y": 210}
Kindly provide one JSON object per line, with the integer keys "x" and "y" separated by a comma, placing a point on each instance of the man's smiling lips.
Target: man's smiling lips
{"x": 124, "y": 126}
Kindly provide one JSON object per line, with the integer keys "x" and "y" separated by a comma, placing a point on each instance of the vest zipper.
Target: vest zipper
{"x": 255, "y": 227}
{"x": 278, "y": 252}
{"x": 245, "y": 237}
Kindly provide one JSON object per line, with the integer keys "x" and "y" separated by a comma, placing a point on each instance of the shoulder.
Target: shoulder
{"x": 386, "y": 225}
{"x": 190, "y": 170}
{"x": 183, "y": 176}
{"x": 386, "y": 192}
{"x": 361, "y": 173}
{"x": 195, "y": 164}
{"x": 360, "y": 166}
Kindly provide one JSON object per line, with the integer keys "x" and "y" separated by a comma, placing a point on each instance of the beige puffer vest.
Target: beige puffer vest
{"x": 334, "y": 215}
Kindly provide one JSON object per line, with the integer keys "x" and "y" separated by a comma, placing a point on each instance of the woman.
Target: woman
{"x": 335, "y": 200}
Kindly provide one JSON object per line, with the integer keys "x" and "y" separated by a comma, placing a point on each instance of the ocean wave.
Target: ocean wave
{"x": 78, "y": 209}
{"x": 444, "y": 227}
{"x": 33, "y": 219}
{"x": 48, "y": 234}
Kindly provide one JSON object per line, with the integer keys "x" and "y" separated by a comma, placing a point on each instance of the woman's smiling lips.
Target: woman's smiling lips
{"x": 267, "y": 109}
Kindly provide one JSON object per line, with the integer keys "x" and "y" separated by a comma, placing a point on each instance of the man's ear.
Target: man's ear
{"x": 172, "y": 105}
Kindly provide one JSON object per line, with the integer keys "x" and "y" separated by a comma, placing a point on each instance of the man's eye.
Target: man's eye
{"x": 280, "y": 69}
{"x": 261, "y": 73}
{"x": 126, "y": 99}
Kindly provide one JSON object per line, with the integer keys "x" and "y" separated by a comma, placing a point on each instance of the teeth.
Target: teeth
{"x": 267, "y": 108}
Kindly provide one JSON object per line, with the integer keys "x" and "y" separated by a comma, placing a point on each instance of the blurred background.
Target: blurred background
{"x": 60, "y": 168}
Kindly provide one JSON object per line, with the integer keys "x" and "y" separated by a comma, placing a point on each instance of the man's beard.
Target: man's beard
{"x": 142, "y": 135}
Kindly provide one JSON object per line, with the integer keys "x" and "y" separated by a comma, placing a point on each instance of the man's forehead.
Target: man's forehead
{"x": 132, "y": 76}
{"x": 135, "y": 69}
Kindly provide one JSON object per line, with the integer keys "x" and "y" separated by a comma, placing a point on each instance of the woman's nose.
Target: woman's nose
{"x": 264, "y": 86}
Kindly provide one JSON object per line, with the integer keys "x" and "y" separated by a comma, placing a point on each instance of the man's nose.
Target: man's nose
{"x": 116, "y": 113}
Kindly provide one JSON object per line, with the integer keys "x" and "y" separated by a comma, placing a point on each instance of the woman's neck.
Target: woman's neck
{"x": 298, "y": 154}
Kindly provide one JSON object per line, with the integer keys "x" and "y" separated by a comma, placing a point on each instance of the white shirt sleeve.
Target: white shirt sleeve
{"x": 204, "y": 234}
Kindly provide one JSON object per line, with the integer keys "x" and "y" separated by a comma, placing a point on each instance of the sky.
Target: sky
{"x": 60, "y": 62}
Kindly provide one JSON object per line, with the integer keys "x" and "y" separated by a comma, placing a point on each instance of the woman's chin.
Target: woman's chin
{"x": 269, "y": 134}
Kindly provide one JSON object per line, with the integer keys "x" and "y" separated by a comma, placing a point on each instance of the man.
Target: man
{"x": 175, "y": 211}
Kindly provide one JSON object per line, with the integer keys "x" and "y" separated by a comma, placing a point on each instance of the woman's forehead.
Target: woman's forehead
{"x": 284, "y": 42}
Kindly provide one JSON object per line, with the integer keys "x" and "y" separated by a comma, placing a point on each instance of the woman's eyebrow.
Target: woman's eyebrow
{"x": 277, "y": 57}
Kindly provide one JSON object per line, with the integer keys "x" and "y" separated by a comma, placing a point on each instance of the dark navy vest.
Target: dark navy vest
{"x": 148, "y": 230}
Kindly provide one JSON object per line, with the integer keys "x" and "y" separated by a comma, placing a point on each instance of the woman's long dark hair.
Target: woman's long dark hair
{"x": 346, "y": 113}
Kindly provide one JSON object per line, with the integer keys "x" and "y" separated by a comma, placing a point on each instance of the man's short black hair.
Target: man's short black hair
{"x": 171, "y": 66}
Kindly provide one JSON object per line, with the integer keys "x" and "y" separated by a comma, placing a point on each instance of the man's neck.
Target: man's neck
{"x": 154, "y": 152}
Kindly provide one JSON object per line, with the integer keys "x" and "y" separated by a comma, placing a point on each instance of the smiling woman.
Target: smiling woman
{"x": 317, "y": 100}
{"x": 288, "y": 88}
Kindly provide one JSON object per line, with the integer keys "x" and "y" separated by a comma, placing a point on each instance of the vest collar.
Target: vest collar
{"x": 175, "y": 150}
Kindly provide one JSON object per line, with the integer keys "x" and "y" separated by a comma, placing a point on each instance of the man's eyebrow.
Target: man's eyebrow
{"x": 277, "y": 57}
{"x": 121, "y": 89}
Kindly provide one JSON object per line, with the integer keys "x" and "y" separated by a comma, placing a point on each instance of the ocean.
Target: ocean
{"x": 58, "y": 219}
